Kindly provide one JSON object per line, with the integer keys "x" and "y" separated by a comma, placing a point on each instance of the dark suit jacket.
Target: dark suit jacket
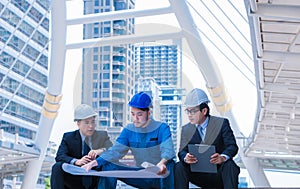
{"x": 218, "y": 133}
{"x": 71, "y": 145}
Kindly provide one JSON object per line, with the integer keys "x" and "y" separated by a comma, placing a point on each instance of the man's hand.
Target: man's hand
{"x": 189, "y": 159}
{"x": 84, "y": 160}
{"x": 162, "y": 168}
{"x": 94, "y": 153}
{"x": 90, "y": 165}
{"x": 217, "y": 159}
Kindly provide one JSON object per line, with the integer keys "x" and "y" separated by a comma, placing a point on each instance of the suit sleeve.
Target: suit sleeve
{"x": 64, "y": 153}
{"x": 107, "y": 142}
{"x": 231, "y": 148}
{"x": 100, "y": 139}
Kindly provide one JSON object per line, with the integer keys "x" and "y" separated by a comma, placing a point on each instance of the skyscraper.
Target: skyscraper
{"x": 108, "y": 72}
{"x": 162, "y": 63}
{"x": 171, "y": 110}
{"x": 24, "y": 38}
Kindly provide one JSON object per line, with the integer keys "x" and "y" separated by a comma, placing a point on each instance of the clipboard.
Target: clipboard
{"x": 202, "y": 153}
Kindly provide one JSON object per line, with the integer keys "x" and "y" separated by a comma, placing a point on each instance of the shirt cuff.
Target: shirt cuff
{"x": 226, "y": 156}
{"x": 73, "y": 161}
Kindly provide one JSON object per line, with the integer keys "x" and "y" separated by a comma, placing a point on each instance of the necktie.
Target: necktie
{"x": 86, "y": 149}
{"x": 201, "y": 131}
{"x": 86, "y": 180}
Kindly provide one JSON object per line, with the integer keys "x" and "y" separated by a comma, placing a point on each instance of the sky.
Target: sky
{"x": 240, "y": 90}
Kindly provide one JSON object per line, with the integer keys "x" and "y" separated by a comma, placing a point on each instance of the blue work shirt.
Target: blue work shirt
{"x": 149, "y": 144}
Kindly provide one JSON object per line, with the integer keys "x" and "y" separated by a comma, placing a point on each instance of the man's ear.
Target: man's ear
{"x": 204, "y": 111}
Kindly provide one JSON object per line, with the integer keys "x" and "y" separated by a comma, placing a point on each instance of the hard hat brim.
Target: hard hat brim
{"x": 93, "y": 115}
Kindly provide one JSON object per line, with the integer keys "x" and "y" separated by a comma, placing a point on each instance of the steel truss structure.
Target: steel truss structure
{"x": 275, "y": 42}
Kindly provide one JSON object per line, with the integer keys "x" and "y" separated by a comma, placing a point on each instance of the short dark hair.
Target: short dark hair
{"x": 204, "y": 105}
{"x": 144, "y": 109}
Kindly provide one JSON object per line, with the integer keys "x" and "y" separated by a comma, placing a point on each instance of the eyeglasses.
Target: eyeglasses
{"x": 192, "y": 111}
{"x": 88, "y": 123}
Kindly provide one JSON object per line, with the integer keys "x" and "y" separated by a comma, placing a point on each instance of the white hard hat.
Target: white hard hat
{"x": 83, "y": 111}
{"x": 196, "y": 97}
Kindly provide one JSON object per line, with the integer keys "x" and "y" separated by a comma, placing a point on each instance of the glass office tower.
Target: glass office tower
{"x": 24, "y": 38}
{"x": 160, "y": 62}
{"x": 108, "y": 71}
{"x": 163, "y": 64}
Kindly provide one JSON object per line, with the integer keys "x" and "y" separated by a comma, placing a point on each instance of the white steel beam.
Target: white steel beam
{"x": 53, "y": 96}
{"x": 285, "y": 89}
{"x": 278, "y": 11}
{"x": 284, "y": 108}
{"x": 256, "y": 171}
{"x": 115, "y": 15}
{"x": 254, "y": 22}
{"x": 281, "y": 57}
{"x": 123, "y": 39}
{"x": 205, "y": 62}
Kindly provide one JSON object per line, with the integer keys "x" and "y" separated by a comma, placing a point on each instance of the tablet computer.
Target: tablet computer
{"x": 202, "y": 153}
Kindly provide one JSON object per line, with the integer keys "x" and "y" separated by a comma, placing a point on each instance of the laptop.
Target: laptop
{"x": 202, "y": 153}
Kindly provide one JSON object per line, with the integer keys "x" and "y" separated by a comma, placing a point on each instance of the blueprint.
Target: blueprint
{"x": 149, "y": 172}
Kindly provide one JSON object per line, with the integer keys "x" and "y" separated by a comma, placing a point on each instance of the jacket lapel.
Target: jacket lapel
{"x": 213, "y": 129}
{"x": 194, "y": 133}
{"x": 78, "y": 143}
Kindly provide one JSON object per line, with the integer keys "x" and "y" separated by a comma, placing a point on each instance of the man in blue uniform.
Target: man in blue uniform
{"x": 149, "y": 141}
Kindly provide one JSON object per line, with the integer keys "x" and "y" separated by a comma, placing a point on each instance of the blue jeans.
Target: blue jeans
{"x": 145, "y": 183}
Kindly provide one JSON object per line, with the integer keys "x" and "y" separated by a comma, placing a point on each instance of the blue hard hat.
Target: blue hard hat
{"x": 140, "y": 100}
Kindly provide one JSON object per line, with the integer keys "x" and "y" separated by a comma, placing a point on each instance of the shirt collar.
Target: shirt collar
{"x": 82, "y": 136}
{"x": 204, "y": 124}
